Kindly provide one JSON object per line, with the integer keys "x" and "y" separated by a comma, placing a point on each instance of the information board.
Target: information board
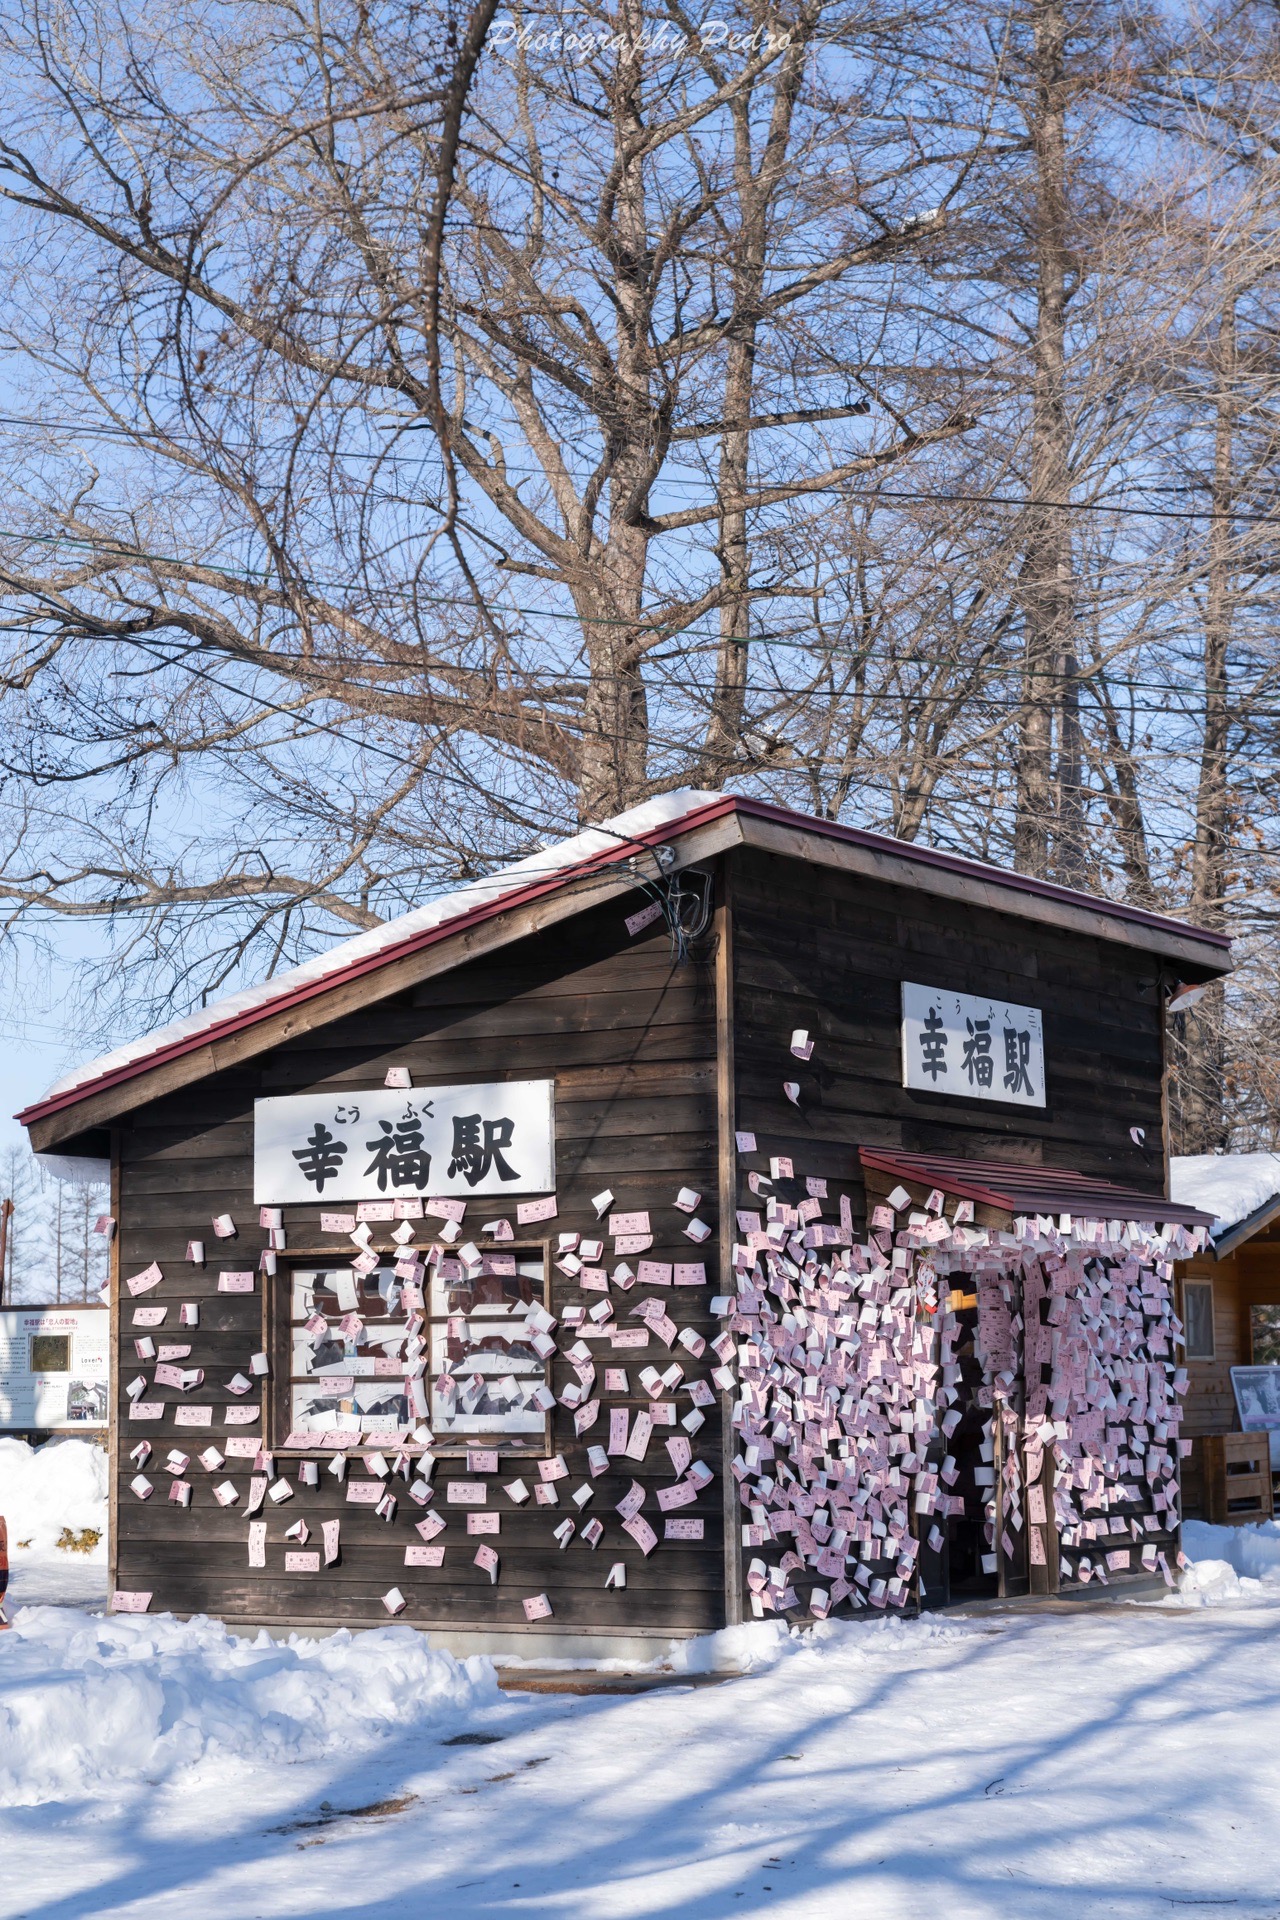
{"x": 53, "y": 1369}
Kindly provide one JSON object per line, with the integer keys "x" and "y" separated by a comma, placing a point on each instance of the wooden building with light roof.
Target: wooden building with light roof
{"x": 720, "y": 1213}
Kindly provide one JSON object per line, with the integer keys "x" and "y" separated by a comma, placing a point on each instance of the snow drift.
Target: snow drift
{"x": 1230, "y": 1566}
{"x": 89, "y": 1704}
{"x": 46, "y": 1489}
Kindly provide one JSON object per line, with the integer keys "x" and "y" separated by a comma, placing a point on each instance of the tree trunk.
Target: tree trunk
{"x": 1204, "y": 1126}
{"x": 756, "y": 190}
{"x": 615, "y": 735}
{"x": 1047, "y": 833}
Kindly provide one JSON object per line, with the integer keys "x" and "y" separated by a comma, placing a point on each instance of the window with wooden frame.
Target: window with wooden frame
{"x": 351, "y": 1339}
{"x": 1197, "y": 1318}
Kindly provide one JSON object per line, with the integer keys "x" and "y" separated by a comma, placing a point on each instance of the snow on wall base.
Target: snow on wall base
{"x": 88, "y": 1704}
{"x": 43, "y": 1490}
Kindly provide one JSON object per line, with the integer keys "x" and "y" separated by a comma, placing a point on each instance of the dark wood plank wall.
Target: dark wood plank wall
{"x": 828, "y": 952}
{"x": 630, "y": 1041}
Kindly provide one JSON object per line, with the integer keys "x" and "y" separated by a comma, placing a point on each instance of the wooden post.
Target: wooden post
{"x": 6, "y": 1214}
{"x": 114, "y": 1432}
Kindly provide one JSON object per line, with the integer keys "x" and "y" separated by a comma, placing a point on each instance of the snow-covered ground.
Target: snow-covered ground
{"x": 1109, "y": 1761}
{"x": 46, "y": 1494}
{"x": 1087, "y": 1760}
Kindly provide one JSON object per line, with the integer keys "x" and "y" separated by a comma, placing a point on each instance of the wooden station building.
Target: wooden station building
{"x": 1229, "y": 1301}
{"x": 722, "y": 1212}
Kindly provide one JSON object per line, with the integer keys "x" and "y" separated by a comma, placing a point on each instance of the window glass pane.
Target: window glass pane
{"x": 504, "y": 1285}
{"x": 353, "y": 1340}
{"x": 484, "y": 1375}
{"x": 1265, "y": 1335}
{"x": 1198, "y": 1299}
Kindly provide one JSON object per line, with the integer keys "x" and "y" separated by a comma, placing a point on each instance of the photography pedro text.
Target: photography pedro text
{"x": 583, "y": 42}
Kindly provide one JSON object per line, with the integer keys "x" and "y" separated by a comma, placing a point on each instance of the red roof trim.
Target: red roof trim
{"x": 527, "y": 892}
{"x": 1022, "y": 1189}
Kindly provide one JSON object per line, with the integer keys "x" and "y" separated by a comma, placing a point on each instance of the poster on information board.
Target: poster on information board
{"x": 53, "y": 1369}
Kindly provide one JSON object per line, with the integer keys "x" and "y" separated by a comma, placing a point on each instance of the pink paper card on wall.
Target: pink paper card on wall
{"x": 624, "y": 1223}
{"x": 417, "y": 1554}
{"x": 528, "y": 1212}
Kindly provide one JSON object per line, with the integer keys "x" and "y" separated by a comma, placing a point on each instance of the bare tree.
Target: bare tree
{"x": 346, "y": 532}
{"x": 426, "y": 432}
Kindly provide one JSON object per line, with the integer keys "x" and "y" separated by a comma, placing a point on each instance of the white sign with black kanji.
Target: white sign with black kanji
{"x": 388, "y": 1144}
{"x": 964, "y": 1044}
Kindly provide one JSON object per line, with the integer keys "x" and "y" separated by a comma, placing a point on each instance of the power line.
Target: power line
{"x": 1177, "y": 697}
{"x": 1250, "y": 517}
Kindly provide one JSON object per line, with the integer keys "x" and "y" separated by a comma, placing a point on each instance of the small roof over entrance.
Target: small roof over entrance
{"x": 997, "y": 1183}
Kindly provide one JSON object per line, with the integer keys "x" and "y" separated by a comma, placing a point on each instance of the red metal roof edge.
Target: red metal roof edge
{"x": 532, "y": 890}
{"x": 948, "y": 1171}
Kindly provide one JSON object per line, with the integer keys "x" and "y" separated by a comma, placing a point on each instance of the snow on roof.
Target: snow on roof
{"x": 1230, "y": 1186}
{"x": 561, "y": 856}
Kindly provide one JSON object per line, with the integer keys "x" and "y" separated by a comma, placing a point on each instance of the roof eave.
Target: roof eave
{"x": 706, "y": 830}
{"x": 1243, "y": 1230}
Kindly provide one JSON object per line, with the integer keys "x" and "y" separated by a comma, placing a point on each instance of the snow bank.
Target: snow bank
{"x": 1230, "y": 1186}
{"x": 90, "y": 1704}
{"x": 745, "y": 1649}
{"x": 1253, "y": 1551}
{"x": 1229, "y": 1565}
{"x": 44, "y": 1489}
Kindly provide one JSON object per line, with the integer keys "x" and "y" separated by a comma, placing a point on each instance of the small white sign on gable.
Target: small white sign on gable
{"x": 386, "y": 1143}
{"x": 979, "y": 1049}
